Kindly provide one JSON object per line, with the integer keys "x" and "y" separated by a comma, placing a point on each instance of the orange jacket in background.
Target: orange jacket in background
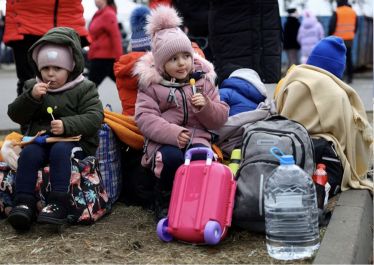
{"x": 345, "y": 23}
{"x": 197, "y": 49}
{"x": 36, "y": 17}
{"x": 127, "y": 85}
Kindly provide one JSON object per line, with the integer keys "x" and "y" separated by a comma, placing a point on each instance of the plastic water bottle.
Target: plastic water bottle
{"x": 291, "y": 213}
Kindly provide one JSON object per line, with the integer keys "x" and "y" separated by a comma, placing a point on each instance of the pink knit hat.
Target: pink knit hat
{"x": 167, "y": 38}
{"x": 56, "y": 55}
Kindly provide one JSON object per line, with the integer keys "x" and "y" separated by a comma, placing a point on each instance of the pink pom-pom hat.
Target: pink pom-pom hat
{"x": 167, "y": 38}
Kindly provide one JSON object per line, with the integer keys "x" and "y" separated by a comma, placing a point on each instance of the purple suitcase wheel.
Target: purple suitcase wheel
{"x": 161, "y": 230}
{"x": 212, "y": 233}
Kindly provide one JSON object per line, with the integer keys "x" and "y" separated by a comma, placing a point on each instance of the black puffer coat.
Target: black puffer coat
{"x": 247, "y": 33}
{"x": 195, "y": 15}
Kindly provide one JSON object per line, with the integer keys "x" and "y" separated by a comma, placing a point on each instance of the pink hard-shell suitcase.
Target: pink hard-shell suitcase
{"x": 201, "y": 202}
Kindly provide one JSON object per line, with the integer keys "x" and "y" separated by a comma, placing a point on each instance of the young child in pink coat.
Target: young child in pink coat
{"x": 173, "y": 115}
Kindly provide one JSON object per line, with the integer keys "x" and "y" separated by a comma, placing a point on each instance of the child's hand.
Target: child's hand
{"x": 39, "y": 90}
{"x": 198, "y": 100}
{"x": 57, "y": 127}
{"x": 183, "y": 138}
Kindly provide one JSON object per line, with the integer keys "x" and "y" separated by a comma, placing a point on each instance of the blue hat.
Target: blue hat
{"x": 329, "y": 54}
{"x": 140, "y": 41}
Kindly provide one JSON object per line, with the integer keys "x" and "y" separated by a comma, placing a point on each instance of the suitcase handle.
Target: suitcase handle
{"x": 196, "y": 150}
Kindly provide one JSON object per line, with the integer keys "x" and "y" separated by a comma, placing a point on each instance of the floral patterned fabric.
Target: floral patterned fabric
{"x": 7, "y": 188}
{"x": 89, "y": 200}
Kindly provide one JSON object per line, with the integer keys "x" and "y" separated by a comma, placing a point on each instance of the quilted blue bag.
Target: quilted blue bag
{"x": 109, "y": 156}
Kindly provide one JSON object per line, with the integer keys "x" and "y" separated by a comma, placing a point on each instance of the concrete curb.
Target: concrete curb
{"x": 349, "y": 236}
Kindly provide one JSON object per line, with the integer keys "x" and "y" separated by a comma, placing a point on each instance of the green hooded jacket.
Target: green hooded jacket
{"x": 79, "y": 107}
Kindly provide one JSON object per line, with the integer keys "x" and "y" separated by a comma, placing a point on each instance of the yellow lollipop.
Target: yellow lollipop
{"x": 192, "y": 83}
{"x": 50, "y": 110}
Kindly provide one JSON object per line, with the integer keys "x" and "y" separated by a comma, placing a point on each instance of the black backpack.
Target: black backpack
{"x": 138, "y": 181}
{"x": 325, "y": 153}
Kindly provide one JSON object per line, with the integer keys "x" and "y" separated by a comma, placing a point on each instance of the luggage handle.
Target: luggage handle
{"x": 196, "y": 150}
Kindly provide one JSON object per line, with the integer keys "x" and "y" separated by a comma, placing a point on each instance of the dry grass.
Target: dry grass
{"x": 128, "y": 235}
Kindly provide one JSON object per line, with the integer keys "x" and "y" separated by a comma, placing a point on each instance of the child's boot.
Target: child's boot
{"x": 57, "y": 210}
{"x": 162, "y": 203}
{"x": 23, "y": 212}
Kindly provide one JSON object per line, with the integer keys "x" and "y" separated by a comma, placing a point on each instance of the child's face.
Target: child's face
{"x": 57, "y": 76}
{"x": 179, "y": 65}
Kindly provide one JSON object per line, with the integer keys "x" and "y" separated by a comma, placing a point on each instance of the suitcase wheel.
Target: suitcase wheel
{"x": 212, "y": 233}
{"x": 161, "y": 230}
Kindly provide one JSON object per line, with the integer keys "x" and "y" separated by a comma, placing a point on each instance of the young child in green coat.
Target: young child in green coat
{"x": 58, "y": 63}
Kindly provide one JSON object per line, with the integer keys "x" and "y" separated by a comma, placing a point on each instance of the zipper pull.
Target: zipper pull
{"x": 170, "y": 97}
{"x": 173, "y": 96}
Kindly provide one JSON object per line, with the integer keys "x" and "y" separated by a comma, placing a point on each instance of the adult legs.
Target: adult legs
{"x": 1, "y": 49}
{"x": 349, "y": 65}
{"x": 23, "y": 69}
{"x": 293, "y": 57}
{"x": 99, "y": 69}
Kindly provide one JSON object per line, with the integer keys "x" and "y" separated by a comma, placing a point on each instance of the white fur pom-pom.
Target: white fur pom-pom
{"x": 163, "y": 17}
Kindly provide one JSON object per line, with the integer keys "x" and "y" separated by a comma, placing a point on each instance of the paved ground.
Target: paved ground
{"x": 349, "y": 236}
{"x": 109, "y": 95}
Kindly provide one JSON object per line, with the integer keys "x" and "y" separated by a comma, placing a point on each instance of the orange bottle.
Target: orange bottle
{"x": 320, "y": 175}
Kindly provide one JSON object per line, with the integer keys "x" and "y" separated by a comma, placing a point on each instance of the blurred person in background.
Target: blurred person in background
{"x": 27, "y": 22}
{"x": 343, "y": 23}
{"x": 309, "y": 34}
{"x": 127, "y": 83}
{"x": 106, "y": 47}
{"x": 291, "y": 46}
{"x": 2, "y": 26}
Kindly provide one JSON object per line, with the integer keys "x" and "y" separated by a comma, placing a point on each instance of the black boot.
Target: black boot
{"x": 57, "y": 210}
{"x": 162, "y": 203}
{"x": 23, "y": 213}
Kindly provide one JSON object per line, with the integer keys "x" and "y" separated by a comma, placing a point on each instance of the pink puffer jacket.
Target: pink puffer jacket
{"x": 161, "y": 121}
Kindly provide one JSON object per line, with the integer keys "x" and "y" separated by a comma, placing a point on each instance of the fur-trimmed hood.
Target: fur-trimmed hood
{"x": 147, "y": 73}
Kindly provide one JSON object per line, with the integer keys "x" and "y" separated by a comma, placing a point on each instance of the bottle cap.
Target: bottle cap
{"x": 286, "y": 160}
{"x": 236, "y": 154}
{"x": 321, "y": 166}
{"x": 283, "y": 159}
